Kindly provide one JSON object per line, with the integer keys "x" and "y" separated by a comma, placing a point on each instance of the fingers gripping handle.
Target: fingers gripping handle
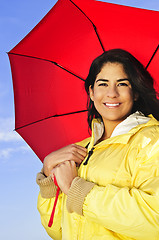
{"x": 55, "y": 203}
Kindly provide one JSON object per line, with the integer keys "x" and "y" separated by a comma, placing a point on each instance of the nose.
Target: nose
{"x": 112, "y": 92}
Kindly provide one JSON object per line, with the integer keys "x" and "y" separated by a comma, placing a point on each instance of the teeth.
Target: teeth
{"x": 112, "y": 104}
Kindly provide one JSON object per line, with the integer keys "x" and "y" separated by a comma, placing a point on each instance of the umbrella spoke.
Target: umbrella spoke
{"x": 95, "y": 28}
{"x": 152, "y": 57}
{"x": 54, "y": 116}
{"x": 58, "y": 65}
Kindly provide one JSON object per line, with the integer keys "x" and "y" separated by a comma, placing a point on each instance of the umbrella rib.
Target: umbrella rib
{"x": 58, "y": 65}
{"x": 60, "y": 115}
{"x": 152, "y": 57}
{"x": 95, "y": 28}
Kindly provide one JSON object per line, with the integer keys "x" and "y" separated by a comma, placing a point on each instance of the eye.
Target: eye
{"x": 123, "y": 84}
{"x": 103, "y": 84}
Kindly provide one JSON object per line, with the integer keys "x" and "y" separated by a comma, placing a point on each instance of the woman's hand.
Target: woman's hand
{"x": 71, "y": 152}
{"x": 64, "y": 173}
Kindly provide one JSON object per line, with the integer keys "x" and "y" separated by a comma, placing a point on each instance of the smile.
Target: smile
{"x": 112, "y": 105}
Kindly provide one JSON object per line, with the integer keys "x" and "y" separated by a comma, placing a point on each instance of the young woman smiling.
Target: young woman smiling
{"x": 112, "y": 96}
{"x": 109, "y": 182}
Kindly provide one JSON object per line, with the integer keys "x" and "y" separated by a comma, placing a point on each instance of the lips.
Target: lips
{"x": 112, "y": 105}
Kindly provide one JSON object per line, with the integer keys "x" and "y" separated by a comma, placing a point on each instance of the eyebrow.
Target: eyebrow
{"x": 106, "y": 80}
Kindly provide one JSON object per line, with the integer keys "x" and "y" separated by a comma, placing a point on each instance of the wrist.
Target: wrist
{"x": 45, "y": 172}
{"x": 47, "y": 166}
{"x": 77, "y": 193}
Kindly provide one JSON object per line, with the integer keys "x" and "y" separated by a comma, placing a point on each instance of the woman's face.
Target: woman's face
{"x": 112, "y": 93}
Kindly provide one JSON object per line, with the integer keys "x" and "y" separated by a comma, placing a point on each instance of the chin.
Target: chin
{"x": 114, "y": 117}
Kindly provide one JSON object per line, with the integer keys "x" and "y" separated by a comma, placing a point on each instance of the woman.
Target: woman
{"x": 114, "y": 192}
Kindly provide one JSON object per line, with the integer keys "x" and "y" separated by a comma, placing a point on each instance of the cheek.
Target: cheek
{"x": 128, "y": 95}
{"x": 98, "y": 94}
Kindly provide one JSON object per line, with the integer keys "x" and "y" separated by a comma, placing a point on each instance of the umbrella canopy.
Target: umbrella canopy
{"x": 50, "y": 64}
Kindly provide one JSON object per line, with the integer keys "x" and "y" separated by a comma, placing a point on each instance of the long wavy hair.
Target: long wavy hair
{"x": 140, "y": 79}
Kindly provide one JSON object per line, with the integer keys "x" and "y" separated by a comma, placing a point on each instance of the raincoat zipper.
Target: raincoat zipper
{"x": 88, "y": 157}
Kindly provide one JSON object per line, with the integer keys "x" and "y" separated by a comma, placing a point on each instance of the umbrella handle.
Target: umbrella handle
{"x": 55, "y": 203}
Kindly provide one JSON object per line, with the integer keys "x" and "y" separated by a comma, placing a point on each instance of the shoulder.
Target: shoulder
{"x": 146, "y": 140}
{"x": 150, "y": 130}
{"x": 146, "y": 134}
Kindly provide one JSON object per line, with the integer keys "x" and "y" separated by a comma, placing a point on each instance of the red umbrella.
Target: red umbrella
{"x": 50, "y": 64}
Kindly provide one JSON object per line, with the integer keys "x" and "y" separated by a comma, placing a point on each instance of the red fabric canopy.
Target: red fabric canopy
{"x": 50, "y": 64}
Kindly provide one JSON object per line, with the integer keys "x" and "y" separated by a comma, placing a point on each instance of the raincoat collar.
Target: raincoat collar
{"x": 123, "y": 130}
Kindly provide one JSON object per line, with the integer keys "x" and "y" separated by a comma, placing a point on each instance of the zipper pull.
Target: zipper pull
{"x": 89, "y": 155}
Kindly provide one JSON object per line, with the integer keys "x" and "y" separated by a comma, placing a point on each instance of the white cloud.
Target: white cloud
{"x": 10, "y": 141}
{"x": 7, "y": 152}
{"x": 9, "y": 136}
{"x": 6, "y": 131}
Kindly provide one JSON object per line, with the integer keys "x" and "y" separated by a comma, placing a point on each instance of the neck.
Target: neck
{"x": 109, "y": 127}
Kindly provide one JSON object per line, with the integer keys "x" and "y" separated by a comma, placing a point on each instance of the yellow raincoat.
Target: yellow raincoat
{"x": 123, "y": 202}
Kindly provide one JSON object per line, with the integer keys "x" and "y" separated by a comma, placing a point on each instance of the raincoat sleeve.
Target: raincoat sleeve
{"x": 45, "y": 205}
{"x": 132, "y": 212}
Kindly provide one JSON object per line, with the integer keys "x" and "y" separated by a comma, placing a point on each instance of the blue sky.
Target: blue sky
{"x": 19, "y": 218}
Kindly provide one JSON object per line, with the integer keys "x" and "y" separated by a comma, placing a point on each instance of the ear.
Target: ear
{"x": 136, "y": 96}
{"x": 91, "y": 93}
